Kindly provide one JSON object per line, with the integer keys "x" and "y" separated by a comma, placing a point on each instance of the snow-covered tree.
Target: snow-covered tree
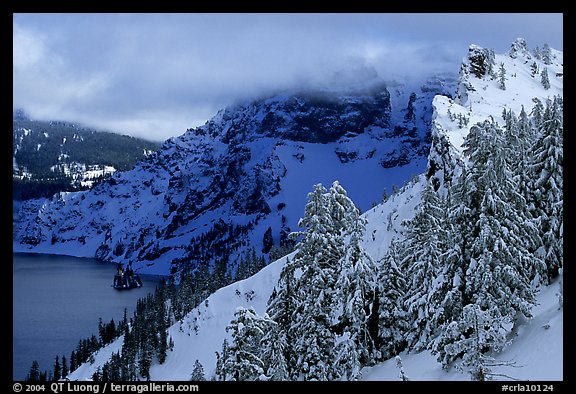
{"x": 537, "y": 52}
{"x": 500, "y": 260}
{"x": 472, "y": 338}
{"x": 221, "y": 357}
{"x": 274, "y": 349}
{"x": 421, "y": 259}
{"x": 502, "y": 77}
{"x": 281, "y": 307}
{"x": 402, "y": 375}
{"x": 492, "y": 260}
{"x": 546, "y": 54}
{"x": 519, "y": 48}
{"x": 323, "y": 300}
{"x": 537, "y": 113}
{"x": 244, "y": 361}
{"x": 356, "y": 284}
{"x": 314, "y": 341}
{"x": 545, "y": 79}
{"x": 198, "y": 372}
{"x": 321, "y": 242}
{"x": 447, "y": 294}
{"x": 392, "y": 286}
{"x": 548, "y": 184}
{"x": 534, "y": 69}
{"x": 317, "y": 259}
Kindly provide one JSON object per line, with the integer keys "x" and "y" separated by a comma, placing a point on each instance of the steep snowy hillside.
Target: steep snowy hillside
{"x": 241, "y": 176}
{"x": 201, "y": 333}
{"x": 534, "y": 345}
{"x": 479, "y": 97}
{"x": 536, "y": 353}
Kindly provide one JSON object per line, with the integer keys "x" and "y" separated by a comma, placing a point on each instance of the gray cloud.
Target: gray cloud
{"x": 154, "y": 75}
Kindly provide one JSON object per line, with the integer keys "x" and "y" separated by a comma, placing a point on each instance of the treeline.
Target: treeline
{"x": 471, "y": 263}
{"x": 42, "y": 146}
{"x": 25, "y": 189}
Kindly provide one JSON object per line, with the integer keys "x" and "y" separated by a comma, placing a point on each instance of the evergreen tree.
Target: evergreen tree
{"x": 544, "y": 79}
{"x": 537, "y": 113}
{"x": 145, "y": 361}
{"x": 518, "y": 140}
{"x": 333, "y": 300}
{"x": 392, "y": 317}
{"x": 533, "y": 69}
{"x": 244, "y": 361}
{"x": 220, "y": 359}
{"x": 198, "y": 372}
{"x": 73, "y": 364}
{"x": 402, "y": 375}
{"x": 357, "y": 285}
{"x": 281, "y": 306}
{"x": 500, "y": 261}
{"x": 221, "y": 278}
{"x": 477, "y": 333}
{"x": 97, "y": 375}
{"x": 450, "y": 296}
{"x": 546, "y": 54}
{"x": 274, "y": 349}
{"x": 502, "y": 77}
{"x": 34, "y": 372}
{"x": 492, "y": 262}
{"x": 317, "y": 256}
{"x": 162, "y": 346}
{"x": 320, "y": 243}
{"x": 129, "y": 351}
{"x": 421, "y": 258}
{"x": 547, "y": 186}
{"x": 64, "y": 367}
{"x": 537, "y": 52}
{"x": 57, "y": 369}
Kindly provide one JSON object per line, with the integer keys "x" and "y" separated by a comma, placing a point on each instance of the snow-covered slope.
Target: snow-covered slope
{"x": 245, "y": 171}
{"x": 479, "y": 98}
{"x": 535, "y": 354}
{"x": 536, "y": 349}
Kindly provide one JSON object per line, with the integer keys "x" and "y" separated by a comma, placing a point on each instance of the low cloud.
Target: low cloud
{"x": 155, "y": 75}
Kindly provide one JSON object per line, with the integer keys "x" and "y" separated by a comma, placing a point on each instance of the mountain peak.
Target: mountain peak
{"x": 519, "y": 48}
{"x": 308, "y": 115}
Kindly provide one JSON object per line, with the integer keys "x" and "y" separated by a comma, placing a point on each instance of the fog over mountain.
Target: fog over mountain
{"x": 155, "y": 75}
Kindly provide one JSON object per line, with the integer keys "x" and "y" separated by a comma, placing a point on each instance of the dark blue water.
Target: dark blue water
{"x": 58, "y": 300}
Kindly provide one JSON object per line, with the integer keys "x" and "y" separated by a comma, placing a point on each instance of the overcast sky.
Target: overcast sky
{"x": 155, "y": 75}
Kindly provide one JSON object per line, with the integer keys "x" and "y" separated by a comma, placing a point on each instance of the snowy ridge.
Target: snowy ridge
{"x": 478, "y": 99}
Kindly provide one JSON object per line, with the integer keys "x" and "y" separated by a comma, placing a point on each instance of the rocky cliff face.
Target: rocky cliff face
{"x": 216, "y": 190}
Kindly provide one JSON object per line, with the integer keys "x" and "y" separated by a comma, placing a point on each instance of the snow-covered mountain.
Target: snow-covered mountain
{"x": 536, "y": 344}
{"x": 243, "y": 174}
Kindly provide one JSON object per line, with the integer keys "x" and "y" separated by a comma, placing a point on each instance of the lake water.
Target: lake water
{"x": 57, "y": 301}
